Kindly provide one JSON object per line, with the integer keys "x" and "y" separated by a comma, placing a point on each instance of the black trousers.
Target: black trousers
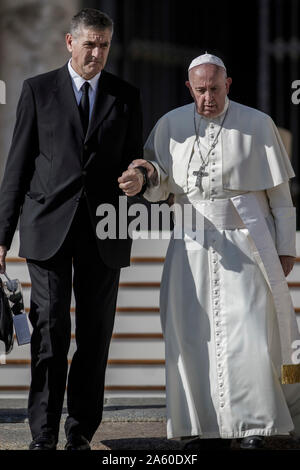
{"x": 95, "y": 289}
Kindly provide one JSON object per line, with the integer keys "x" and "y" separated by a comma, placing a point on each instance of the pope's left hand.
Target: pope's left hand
{"x": 287, "y": 263}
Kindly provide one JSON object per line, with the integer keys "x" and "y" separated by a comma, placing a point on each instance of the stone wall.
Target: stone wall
{"x": 32, "y": 42}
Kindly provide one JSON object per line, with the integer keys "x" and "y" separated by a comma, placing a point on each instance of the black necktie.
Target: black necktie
{"x": 84, "y": 106}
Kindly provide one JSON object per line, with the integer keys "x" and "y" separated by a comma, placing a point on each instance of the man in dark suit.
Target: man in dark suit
{"x": 77, "y": 129}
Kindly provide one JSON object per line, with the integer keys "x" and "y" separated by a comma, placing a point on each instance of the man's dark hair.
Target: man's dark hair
{"x": 90, "y": 18}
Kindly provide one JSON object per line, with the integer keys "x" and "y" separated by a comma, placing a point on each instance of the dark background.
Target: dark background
{"x": 155, "y": 40}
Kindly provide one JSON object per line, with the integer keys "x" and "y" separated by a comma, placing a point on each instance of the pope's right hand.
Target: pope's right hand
{"x": 3, "y": 251}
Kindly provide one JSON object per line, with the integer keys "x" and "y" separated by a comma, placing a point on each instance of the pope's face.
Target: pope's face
{"x": 209, "y": 87}
{"x": 89, "y": 50}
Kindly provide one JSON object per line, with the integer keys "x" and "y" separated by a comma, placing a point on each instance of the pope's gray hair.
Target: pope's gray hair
{"x": 90, "y": 18}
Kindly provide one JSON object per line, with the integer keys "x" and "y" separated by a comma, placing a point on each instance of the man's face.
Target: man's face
{"x": 209, "y": 87}
{"x": 89, "y": 49}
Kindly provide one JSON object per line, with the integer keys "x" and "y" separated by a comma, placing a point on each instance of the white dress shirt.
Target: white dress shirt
{"x": 78, "y": 81}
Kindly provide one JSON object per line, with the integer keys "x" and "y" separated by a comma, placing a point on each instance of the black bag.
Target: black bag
{"x": 6, "y": 321}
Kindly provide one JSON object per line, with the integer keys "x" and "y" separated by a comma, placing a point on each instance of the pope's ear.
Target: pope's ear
{"x": 228, "y": 83}
{"x": 188, "y": 85}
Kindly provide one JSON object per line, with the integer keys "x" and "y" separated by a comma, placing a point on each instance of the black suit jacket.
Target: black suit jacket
{"x": 51, "y": 165}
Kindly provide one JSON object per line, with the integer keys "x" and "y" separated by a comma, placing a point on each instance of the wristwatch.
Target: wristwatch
{"x": 143, "y": 170}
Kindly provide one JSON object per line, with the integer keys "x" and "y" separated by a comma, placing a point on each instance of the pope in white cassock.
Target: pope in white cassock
{"x": 231, "y": 336}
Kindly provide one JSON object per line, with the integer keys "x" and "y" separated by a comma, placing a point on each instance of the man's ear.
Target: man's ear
{"x": 69, "y": 40}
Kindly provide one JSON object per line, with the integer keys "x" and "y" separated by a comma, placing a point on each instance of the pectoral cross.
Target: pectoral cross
{"x": 200, "y": 175}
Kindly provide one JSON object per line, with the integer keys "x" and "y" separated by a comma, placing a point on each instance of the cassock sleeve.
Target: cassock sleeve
{"x": 284, "y": 214}
{"x": 157, "y": 151}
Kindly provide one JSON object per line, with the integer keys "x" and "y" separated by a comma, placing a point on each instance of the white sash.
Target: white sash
{"x": 251, "y": 213}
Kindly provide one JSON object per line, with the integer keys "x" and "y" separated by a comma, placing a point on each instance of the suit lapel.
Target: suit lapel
{"x": 66, "y": 99}
{"x": 67, "y": 103}
{"x": 102, "y": 105}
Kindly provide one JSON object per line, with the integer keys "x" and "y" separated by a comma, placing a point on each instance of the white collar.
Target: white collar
{"x": 79, "y": 81}
{"x": 225, "y": 107}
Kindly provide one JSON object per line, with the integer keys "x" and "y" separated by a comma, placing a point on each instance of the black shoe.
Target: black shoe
{"x": 45, "y": 441}
{"x": 202, "y": 444}
{"x": 252, "y": 442}
{"x": 77, "y": 442}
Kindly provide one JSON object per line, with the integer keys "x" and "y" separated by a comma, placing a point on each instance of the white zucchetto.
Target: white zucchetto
{"x": 206, "y": 59}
